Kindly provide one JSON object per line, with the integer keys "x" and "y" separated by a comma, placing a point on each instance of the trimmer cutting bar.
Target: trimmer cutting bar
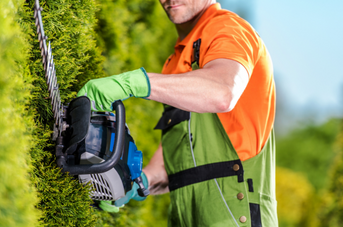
{"x": 49, "y": 68}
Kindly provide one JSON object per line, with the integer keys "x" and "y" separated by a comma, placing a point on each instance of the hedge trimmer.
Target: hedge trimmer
{"x": 95, "y": 146}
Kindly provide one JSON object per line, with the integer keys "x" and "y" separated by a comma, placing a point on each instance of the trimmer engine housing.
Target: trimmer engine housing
{"x": 98, "y": 146}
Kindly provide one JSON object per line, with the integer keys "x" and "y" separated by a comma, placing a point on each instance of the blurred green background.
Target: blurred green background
{"x": 96, "y": 38}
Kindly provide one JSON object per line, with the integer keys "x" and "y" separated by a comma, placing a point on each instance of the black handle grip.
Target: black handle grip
{"x": 109, "y": 163}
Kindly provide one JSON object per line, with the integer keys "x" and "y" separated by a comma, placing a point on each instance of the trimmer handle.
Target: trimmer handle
{"x": 106, "y": 165}
{"x": 142, "y": 191}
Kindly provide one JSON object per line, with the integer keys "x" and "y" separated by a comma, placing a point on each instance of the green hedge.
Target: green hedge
{"x": 86, "y": 38}
{"x": 17, "y": 194}
{"x": 69, "y": 25}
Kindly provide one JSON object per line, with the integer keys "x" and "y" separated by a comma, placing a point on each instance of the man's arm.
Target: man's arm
{"x": 215, "y": 88}
{"x": 156, "y": 174}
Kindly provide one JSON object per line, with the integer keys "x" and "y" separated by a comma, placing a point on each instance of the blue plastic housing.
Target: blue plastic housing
{"x": 134, "y": 161}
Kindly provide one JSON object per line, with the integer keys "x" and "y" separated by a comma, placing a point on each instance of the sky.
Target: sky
{"x": 305, "y": 40}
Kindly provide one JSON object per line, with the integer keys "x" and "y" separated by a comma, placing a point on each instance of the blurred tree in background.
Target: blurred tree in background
{"x": 331, "y": 210}
{"x": 295, "y": 197}
{"x": 305, "y": 157}
{"x": 134, "y": 34}
{"x": 309, "y": 147}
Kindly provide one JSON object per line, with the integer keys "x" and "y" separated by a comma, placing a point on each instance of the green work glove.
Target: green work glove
{"x": 133, "y": 194}
{"x": 105, "y": 91}
{"x": 108, "y": 206}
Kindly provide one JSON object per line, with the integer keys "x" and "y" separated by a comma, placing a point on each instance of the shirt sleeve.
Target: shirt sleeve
{"x": 231, "y": 38}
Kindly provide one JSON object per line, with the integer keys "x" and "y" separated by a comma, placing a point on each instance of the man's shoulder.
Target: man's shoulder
{"x": 226, "y": 19}
{"x": 229, "y": 24}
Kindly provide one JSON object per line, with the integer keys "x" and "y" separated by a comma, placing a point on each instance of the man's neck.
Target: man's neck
{"x": 185, "y": 28}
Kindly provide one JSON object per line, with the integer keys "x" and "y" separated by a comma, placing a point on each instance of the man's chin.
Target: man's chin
{"x": 178, "y": 21}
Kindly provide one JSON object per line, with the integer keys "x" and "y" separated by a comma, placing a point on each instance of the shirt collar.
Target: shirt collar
{"x": 210, "y": 11}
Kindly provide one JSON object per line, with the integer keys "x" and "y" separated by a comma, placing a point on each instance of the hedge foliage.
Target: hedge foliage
{"x": 18, "y": 196}
{"x": 142, "y": 37}
{"x": 69, "y": 25}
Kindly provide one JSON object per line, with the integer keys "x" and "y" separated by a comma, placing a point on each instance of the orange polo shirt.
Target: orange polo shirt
{"x": 224, "y": 34}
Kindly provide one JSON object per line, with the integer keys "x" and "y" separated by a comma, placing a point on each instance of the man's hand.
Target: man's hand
{"x": 133, "y": 194}
{"x": 104, "y": 91}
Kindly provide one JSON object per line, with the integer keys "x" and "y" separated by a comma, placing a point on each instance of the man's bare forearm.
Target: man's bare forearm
{"x": 156, "y": 174}
{"x": 214, "y": 88}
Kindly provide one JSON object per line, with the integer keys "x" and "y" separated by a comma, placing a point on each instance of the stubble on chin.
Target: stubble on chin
{"x": 181, "y": 17}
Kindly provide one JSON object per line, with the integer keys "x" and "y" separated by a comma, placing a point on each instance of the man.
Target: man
{"x": 217, "y": 155}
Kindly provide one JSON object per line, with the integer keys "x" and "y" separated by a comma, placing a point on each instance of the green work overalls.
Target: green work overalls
{"x": 209, "y": 185}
